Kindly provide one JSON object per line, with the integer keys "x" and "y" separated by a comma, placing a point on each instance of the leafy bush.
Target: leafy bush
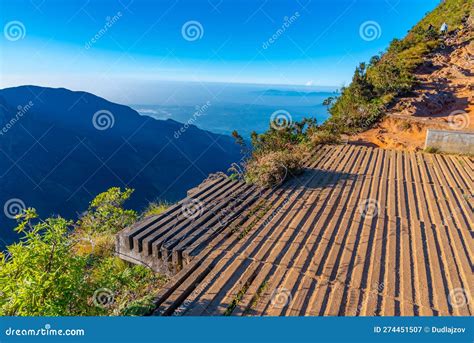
{"x": 277, "y": 153}
{"x": 357, "y": 107}
{"x": 39, "y": 275}
{"x": 282, "y": 138}
{"x": 63, "y": 268}
{"x": 106, "y": 213}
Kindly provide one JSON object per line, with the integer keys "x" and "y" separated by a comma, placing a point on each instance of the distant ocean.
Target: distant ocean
{"x": 222, "y": 108}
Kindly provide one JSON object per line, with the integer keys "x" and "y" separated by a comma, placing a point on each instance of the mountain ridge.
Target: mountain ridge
{"x": 60, "y": 148}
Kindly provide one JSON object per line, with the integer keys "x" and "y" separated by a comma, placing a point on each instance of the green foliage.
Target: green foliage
{"x": 130, "y": 285}
{"x": 451, "y": 12}
{"x": 328, "y": 101}
{"x": 388, "y": 75}
{"x": 59, "y": 267}
{"x": 359, "y": 106}
{"x": 282, "y": 138}
{"x": 277, "y": 153}
{"x": 39, "y": 275}
{"x": 391, "y": 76}
{"x": 140, "y": 307}
{"x": 106, "y": 213}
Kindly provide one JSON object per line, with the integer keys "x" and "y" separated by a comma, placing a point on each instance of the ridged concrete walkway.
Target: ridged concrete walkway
{"x": 362, "y": 231}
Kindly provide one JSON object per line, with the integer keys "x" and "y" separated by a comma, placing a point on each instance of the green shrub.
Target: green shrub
{"x": 282, "y": 138}
{"x": 140, "y": 307}
{"x": 106, "y": 213}
{"x": 275, "y": 154}
{"x": 39, "y": 275}
{"x": 62, "y": 268}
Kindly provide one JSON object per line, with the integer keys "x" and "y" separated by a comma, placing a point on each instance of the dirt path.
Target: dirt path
{"x": 443, "y": 99}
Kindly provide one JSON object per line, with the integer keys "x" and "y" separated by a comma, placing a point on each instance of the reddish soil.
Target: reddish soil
{"x": 442, "y": 100}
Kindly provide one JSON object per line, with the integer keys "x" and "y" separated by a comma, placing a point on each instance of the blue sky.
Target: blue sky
{"x": 320, "y": 46}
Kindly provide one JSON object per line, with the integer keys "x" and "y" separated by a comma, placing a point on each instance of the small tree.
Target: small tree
{"x": 328, "y": 101}
{"x": 106, "y": 213}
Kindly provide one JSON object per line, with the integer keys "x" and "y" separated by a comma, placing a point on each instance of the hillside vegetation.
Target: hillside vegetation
{"x": 61, "y": 267}
{"x": 375, "y": 86}
{"x": 377, "y": 83}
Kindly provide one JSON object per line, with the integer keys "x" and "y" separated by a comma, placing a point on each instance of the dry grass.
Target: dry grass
{"x": 155, "y": 208}
{"x": 273, "y": 168}
{"x": 324, "y": 137}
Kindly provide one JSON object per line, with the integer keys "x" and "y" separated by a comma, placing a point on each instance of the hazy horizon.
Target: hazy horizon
{"x": 160, "y": 89}
{"x": 116, "y": 50}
